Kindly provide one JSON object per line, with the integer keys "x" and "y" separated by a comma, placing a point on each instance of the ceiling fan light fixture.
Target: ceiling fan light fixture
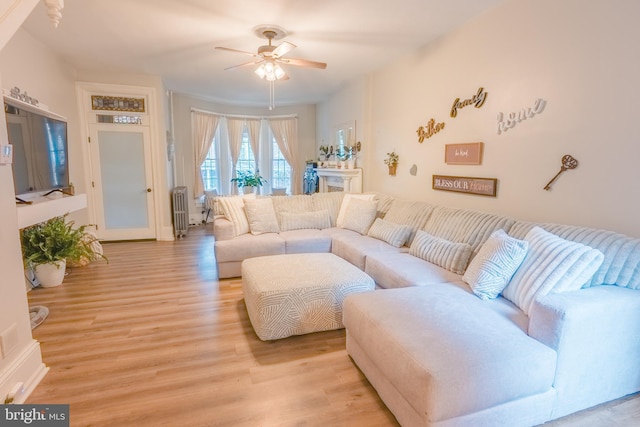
{"x": 270, "y": 71}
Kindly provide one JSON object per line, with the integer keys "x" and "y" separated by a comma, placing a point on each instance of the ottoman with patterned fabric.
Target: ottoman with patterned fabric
{"x": 296, "y": 294}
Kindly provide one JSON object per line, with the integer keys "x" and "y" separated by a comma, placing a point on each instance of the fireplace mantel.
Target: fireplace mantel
{"x": 338, "y": 179}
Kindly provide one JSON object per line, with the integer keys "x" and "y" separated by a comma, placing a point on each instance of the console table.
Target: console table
{"x": 335, "y": 179}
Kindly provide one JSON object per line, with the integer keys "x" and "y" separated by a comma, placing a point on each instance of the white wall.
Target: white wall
{"x": 182, "y": 105}
{"x": 581, "y": 57}
{"x": 28, "y": 64}
{"x": 22, "y": 361}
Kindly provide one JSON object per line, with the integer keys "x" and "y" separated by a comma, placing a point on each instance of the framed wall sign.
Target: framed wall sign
{"x": 463, "y": 154}
{"x": 463, "y": 184}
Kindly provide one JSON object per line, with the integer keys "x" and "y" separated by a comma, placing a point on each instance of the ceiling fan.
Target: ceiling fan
{"x": 269, "y": 57}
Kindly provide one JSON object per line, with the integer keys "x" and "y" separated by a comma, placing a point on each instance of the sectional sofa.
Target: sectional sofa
{"x": 477, "y": 319}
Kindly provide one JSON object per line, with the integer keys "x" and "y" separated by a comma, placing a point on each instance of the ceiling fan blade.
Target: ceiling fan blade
{"x": 246, "y": 64}
{"x": 303, "y": 63}
{"x": 282, "y": 49}
{"x": 236, "y": 51}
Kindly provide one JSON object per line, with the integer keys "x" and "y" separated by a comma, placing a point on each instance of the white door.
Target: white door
{"x": 121, "y": 178}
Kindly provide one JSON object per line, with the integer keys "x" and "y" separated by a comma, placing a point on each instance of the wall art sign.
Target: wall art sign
{"x": 117, "y": 103}
{"x": 477, "y": 100}
{"x": 463, "y": 154}
{"x": 504, "y": 124}
{"x": 22, "y": 96}
{"x": 430, "y": 129}
{"x": 463, "y": 184}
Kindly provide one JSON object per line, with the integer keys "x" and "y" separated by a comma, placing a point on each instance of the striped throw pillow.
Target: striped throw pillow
{"x": 496, "y": 261}
{"x": 449, "y": 255}
{"x": 551, "y": 265}
{"x": 233, "y": 209}
{"x": 305, "y": 220}
{"x": 392, "y": 233}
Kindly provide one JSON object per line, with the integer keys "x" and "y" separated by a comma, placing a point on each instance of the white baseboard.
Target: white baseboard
{"x": 27, "y": 368}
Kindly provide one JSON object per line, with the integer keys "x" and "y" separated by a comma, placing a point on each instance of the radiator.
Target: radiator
{"x": 180, "y": 211}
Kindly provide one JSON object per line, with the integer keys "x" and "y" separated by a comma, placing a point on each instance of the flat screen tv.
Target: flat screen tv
{"x": 40, "y": 151}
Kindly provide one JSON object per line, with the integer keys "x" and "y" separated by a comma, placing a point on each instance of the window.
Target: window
{"x": 280, "y": 169}
{"x": 246, "y": 161}
{"x": 209, "y": 169}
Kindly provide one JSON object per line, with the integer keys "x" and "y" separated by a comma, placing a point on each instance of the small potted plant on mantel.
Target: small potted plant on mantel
{"x": 47, "y": 246}
{"x": 392, "y": 162}
{"x": 248, "y": 181}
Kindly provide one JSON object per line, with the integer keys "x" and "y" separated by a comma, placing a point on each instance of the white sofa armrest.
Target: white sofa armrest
{"x": 222, "y": 229}
{"x": 596, "y": 334}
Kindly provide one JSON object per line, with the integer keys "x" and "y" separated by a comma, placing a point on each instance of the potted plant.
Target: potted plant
{"x": 47, "y": 246}
{"x": 248, "y": 180}
{"x": 392, "y": 162}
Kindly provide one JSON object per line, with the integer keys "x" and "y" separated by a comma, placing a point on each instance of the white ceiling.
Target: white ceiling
{"x": 175, "y": 39}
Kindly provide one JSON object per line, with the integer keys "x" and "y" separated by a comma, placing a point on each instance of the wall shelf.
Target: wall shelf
{"x": 44, "y": 208}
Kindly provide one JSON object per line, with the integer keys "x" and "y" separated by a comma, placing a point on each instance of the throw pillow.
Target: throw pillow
{"x": 551, "y": 265}
{"x": 261, "y": 216}
{"x": 345, "y": 203}
{"x": 390, "y": 232}
{"x": 297, "y": 221}
{"x": 449, "y": 255}
{"x": 359, "y": 215}
{"x": 496, "y": 261}
{"x": 233, "y": 209}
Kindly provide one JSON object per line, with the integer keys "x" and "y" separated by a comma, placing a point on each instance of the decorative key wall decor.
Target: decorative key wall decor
{"x": 568, "y": 162}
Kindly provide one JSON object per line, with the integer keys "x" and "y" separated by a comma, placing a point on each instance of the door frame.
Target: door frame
{"x": 161, "y": 202}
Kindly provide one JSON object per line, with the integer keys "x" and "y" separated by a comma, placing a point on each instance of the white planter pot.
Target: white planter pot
{"x": 50, "y": 275}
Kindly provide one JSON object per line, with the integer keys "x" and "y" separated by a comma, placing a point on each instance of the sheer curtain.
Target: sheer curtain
{"x": 253, "y": 127}
{"x": 285, "y": 131}
{"x": 204, "y": 126}
{"x": 235, "y": 128}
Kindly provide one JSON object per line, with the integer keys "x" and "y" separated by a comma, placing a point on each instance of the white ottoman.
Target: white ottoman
{"x": 296, "y": 294}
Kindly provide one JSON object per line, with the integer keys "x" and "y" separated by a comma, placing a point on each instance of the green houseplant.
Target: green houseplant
{"x": 248, "y": 180}
{"x": 47, "y": 246}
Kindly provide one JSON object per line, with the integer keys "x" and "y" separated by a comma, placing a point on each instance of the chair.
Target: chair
{"x": 210, "y": 202}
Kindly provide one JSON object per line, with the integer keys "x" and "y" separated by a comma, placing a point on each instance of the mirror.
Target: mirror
{"x": 345, "y": 134}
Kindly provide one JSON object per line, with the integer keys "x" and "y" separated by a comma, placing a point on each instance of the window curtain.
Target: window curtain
{"x": 253, "y": 127}
{"x": 285, "y": 131}
{"x": 235, "y": 128}
{"x": 204, "y": 126}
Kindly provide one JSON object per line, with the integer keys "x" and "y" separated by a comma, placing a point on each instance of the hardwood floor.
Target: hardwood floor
{"x": 155, "y": 339}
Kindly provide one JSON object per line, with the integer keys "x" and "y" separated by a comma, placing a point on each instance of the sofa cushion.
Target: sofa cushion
{"x": 249, "y": 246}
{"x": 306, "y": 241}
{"x": 355, "y": 248}
{"x": 330, "y": 201}
{"x": 297, "y": 221}
{"x": 621, "y": 265}
{"x": 450, "y": 255}
{"x": 299, "y": 203}
{"x": 447, "y": 352}
{"x": 410, "y": 213}
{"x": 399, "y": 270}
{"x": 345, "y": 203}
{"x": 233, "y": 209}
{"x": 467, "y": 226}
{"x": 261, "y": 216}
{"x": 390, "y": 232}
{"x": 496, "y": 261}
{"x": 359, "y": 215}
{"x": 552, "y": 264}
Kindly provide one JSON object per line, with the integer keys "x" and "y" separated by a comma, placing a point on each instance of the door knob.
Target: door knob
{"x": 148, "y": 190}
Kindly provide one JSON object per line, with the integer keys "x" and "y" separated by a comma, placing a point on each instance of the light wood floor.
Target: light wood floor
{"x": 155, "y": 339}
